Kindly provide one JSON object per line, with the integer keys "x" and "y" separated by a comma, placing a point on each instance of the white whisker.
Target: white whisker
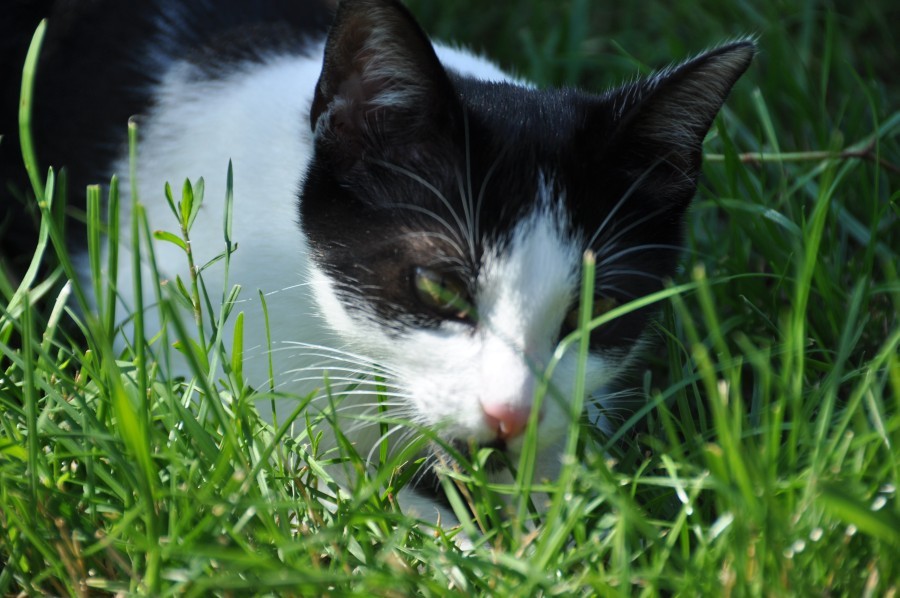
{"x": 330, "y": 367}
{"x": 625, "y": 197}
{"x": 381, "y": 439}
{"x": 607, "y": 288}
{"x": 484, "y": 183}
{"x": 634, "y": 249}
{"x": 341, "y": 395}
{"x": 378, "y": 389}
{"x": 630, "y": 272}
{"x": 434, "y": 190}
{"x": 466, "y": 191}
{"x": 453, "y": 243}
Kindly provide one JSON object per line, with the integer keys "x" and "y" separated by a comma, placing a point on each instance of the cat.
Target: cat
{"x": 415, "y": 217}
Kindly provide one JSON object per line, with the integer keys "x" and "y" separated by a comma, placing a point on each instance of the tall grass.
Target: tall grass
{"x": 762, "y": 457}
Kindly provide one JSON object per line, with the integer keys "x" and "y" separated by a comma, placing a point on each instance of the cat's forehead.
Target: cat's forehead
{"x": 511, "y": 226}
{"x": 540, "y": 240}
{"x": 527, "y": 282}
{"x": 527, "y": 114}
{"x": 518, "y": 147}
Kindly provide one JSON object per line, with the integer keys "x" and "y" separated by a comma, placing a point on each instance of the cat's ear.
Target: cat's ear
{"x": 381, "y": 80}
{"x": 660, "y": 122}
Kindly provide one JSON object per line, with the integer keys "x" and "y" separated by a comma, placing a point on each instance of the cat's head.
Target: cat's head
{"x": 448, "y": 217}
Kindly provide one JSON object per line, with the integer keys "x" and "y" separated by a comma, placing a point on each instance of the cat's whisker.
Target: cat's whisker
{"x": 394, "y": 407}
{"x": 376, "y": 446}
{"x": 621, "y": 202}
{"x": 299, "y": 285}
{"x": 484, "y": 184}
{"x": 607, "y": 288}
{"x": 365, "y": 421}
{"x": 251, "y": 299}
{"x": 437, "y": 218}
{"x": 428, "y": 464}
{"x": 466, "y": 204}
{"x": 618, "y": 231}
{"x": 614, "y": 407}
{"x": 433, "y": 190}
{"x": 336, "y": 369}
{"x": 313, "y": 358}
{"x": 617, "y": 396}
{"x": 466, "y": 191}
{"x": 367, "y": 424}
{"x": 453, "y": 243}
{"x": 341, "y": 354}
{"x": 343, "y": 385}
{"x": 470, "y": 224}
{"x": 630, "y": 272}
{"x": 360, "y": 371}
{"x": 341, "y": 395}
{"x": 634, "y": 249}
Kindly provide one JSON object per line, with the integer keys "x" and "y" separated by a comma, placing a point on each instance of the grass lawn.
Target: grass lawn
{"x": 762, "y": 456}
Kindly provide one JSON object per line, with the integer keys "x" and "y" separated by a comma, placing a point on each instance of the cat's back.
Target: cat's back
{"x": 105, "y": 61}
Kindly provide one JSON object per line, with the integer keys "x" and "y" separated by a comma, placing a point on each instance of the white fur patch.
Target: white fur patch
{"x": 258, "y": 119}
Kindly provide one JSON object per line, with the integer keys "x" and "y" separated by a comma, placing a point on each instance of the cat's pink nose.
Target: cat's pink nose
{"x": 508, "y": 421}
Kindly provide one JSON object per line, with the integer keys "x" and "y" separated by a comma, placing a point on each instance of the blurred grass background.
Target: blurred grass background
{"x": 818, "y": 60}
{"x": 596, "y": 44}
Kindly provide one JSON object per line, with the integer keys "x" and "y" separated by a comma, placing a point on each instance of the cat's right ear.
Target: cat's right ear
{"x": 382, "y": 84}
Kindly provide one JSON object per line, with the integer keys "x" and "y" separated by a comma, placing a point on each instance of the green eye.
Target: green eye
{"x": 444, "y": 294}
{"x": 600, "y": 306}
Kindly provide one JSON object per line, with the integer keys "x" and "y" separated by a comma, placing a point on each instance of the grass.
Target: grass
{"x": 762, "y": 459}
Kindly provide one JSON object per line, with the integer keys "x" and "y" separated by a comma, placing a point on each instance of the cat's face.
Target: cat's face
{"x": 448, "y": 219}
{"x": 468, "y": 362}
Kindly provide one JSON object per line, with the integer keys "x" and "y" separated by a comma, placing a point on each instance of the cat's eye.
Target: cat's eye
{"x": 600, "y": 306}
{"x": 444, "y": 294}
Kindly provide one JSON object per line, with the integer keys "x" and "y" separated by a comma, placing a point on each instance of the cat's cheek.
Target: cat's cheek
{"x": 438, "y": 378}
{"x": 449, "y": 402}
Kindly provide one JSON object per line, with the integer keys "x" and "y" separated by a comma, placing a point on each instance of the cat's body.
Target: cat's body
{"x": 363, "y": 188}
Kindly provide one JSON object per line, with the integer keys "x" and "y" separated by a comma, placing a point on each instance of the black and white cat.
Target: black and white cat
{"x": 409, "y": 210}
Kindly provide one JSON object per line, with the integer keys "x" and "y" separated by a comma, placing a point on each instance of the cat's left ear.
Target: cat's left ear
{"x": 659, "y": 123}
{"x": 382, "y": 84}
